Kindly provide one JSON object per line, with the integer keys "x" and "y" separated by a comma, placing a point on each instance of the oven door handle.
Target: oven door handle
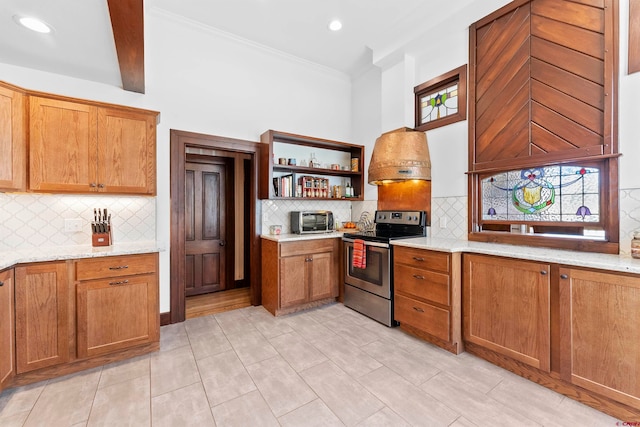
{"x": 367, "y": 243}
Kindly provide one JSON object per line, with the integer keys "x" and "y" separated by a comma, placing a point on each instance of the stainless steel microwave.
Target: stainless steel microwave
{"x": 303, "y": 222}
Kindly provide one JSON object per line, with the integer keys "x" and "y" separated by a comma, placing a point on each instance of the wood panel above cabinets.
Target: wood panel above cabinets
{"x": 542, "y": 84}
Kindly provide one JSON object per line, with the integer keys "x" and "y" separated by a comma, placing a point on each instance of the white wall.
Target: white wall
{"x": 204, "y": 81}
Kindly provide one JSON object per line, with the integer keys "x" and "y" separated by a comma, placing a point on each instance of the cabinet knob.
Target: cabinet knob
{"x": 93, "y": 185}
{"x": 543, "y": 272}
{"x": 122, "y": 282}
{"x": 100, "y": 185}
{"x": 417, "y": 258}
{"x": 1, "y": 283}
{"x": 564, "y": 276}
{"x": 120, "y": 267}
{"x": 308, "y": 259}
{"x": 419, "y": 277}
{"x": 418, "y": 309}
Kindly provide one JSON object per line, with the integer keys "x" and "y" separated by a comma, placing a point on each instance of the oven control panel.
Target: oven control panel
{"x": 401, "y": 217}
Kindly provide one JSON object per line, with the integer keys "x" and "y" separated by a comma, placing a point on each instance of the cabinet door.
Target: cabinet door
{"x": 7, "y": 328}
{"x": 62, "y": 146}
{"x": 126, "y": 151}
{"x": 321, "y": 276}
{"x": 507, "y": 308}
{"x": 117, "y": 313}
{"x": 13, "y": 160}
{"x": 293, "y": 282}
{"x": 600, "y": 333}
{"x": 42, "y": 324}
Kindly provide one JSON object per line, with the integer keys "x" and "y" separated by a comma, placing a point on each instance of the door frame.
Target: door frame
{"x": 179, "y": 141}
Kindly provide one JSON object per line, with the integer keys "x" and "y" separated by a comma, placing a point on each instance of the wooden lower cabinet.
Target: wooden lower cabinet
{"x": 427, "y": 295}
{"x": 299, "y": 274}
{"x": 117, "y": 303}
{"x": 600, "y": 333}
{"x": 7, "y": 329}
{"x": 42, "y": 316}
{"x": 507, "y": 308}
{"x": 74, "y": 315}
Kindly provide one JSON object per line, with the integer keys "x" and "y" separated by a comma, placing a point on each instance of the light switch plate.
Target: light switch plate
{"x": 72, "y": 225}
{"x": 443, "y": 222}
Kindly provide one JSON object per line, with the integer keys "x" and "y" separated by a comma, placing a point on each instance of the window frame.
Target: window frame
{"x": 458, "y": 75}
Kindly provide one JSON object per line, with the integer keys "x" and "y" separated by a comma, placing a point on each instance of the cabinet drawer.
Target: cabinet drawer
{"x": 126, "y": 265}
{"x": 430, "y": 319}
{"x": 304, "y": 247}
{"x": 423, "y": 284}
{"x": 420, "y": 258}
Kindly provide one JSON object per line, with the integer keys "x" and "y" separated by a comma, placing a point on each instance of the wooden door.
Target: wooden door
{"x": 294, "y": 287}
{"x": 116, "y": 313}
{"x": 600, "y": 333}
{"x": 321, "y": 274}
{"x": 205, "y": 228}
{"x": 507, "y": 308}
{"x": 7, "y": 328}
{"x": 42, "y": 323}
{"x": 126, "y": 151}
{"x": 62, "y": 146}
{"x": 13, "y": 144}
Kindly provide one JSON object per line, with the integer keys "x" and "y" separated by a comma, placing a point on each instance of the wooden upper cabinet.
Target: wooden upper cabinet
{"x": 63, "y": 146}
{"x": 80, "y": 147}
{"x": 13, "y": 143}
{"x": 126, "y": 151}
{"x": 542, "y": 84}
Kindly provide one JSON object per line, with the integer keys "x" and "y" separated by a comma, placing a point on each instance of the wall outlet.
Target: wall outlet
{"x": 265, "y": 217}
{"x": 443, "y": 222}
{"x": 72, "y": 225}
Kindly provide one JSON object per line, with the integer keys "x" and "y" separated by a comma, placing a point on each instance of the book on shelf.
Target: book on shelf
{"x": 283, "y": 186}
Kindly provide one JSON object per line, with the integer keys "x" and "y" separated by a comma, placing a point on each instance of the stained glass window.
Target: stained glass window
{"x": 441, "y": 100}
{"x": 568, "y": 194}
{"x": 440, "y": 104}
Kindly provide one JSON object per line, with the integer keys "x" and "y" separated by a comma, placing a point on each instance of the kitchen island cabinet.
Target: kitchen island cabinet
{"x": 42, "y": 316}
{"x": 116, "y": 303}
{"x": 427, "y": 295}
{"x": 7, "y": 331}
{"x": 298, "y": 275}
{"x": 13, "y": 139}
{"x": 84, "y": 147}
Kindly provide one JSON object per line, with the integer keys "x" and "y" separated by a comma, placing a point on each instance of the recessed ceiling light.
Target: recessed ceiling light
{"x": 335, "y": 25}
{"x": 34, "y": 24}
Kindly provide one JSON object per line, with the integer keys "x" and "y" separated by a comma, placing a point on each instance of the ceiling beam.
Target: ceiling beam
{"x": 127, "y": 21}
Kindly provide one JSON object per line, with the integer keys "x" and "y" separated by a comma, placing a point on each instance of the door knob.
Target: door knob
{"x": 222, "y": 243}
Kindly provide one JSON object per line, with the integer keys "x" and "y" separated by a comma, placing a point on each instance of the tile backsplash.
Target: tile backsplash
{"x": 276, "y": 212}
{"x": 37, "y": 220}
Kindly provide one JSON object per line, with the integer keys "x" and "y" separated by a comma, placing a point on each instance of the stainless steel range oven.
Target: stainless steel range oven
{"x": 369, "y": 287}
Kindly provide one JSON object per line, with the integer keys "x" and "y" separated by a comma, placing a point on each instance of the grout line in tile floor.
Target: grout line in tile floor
{"x": 329, "y": 366}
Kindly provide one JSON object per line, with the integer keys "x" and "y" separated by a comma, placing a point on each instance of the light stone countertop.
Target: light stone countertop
{"x": 290, "y": 237}
{"x": 22, "y": 256}
{"x": 621, "y": 263}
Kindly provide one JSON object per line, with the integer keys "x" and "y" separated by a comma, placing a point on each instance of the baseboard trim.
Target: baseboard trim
{"x": 165, "y": 318}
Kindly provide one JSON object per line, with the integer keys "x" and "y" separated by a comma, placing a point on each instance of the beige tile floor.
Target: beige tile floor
{"x": 328, "y": 366}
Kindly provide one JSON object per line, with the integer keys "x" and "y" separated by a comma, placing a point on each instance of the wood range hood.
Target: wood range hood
{"x": 127, "y": 22}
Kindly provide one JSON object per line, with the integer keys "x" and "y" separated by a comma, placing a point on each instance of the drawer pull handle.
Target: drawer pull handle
{"x": 122, "y": 282}
{"x": 419, "y": 277}
{"x": 120, "y": 267}
{"x": 564, "y": 276}
{"x": 418, "y": 309}
{"x": 417, "y": 258}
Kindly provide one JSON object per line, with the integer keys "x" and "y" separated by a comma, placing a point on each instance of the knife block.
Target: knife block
{"x": 101, "y": 239}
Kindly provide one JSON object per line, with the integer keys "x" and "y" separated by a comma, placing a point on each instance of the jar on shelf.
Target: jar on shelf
{"x": 635, "y": 244}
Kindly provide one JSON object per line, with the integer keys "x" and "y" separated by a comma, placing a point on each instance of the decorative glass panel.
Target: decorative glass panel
{"x": 550, "y": 194}
{"x": 439, "y": 104}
